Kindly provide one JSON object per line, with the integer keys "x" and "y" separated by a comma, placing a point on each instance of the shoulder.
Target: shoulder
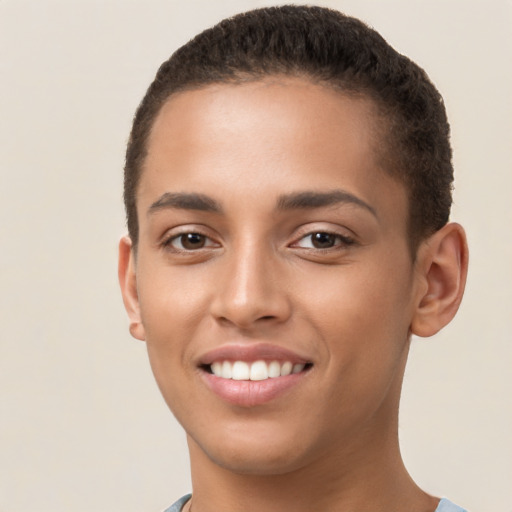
{"x": 177, "y": 507}
{"x": 447, "y": 506}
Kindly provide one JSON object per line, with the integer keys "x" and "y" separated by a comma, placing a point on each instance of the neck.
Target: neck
{"x": 368, "y": 475}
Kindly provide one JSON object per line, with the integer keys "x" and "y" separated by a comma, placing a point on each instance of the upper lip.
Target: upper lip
{"x": 250, "y": 353}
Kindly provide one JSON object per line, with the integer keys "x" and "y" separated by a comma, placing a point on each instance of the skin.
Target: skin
{"x": 329, "y": 443}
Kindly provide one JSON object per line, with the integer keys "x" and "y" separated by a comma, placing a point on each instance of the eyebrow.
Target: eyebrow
{"x": 313, "y": 199}
{"x": 293, "y": 201}
{"x": 185, "y": 201}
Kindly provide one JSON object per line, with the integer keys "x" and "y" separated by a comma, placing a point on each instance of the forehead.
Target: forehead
{"x": 271, "y": 113}
{"x": 282, "y": 134}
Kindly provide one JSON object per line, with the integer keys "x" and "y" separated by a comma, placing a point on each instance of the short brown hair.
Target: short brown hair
{"x": 324, "y": 46}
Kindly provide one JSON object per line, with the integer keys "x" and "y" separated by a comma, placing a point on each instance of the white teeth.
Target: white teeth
{"x": 274, "y": 369}
{"x": 258, "y": 370}
{"x": 226, "y": 370}
{"x": 297, "y": 368}
{"x": 217, "y": 368}
{"x": 286, "y": 369}
{"x": 241, "y": 371}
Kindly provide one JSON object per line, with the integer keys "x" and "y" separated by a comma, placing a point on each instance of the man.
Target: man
{"x": 288, "y": 187}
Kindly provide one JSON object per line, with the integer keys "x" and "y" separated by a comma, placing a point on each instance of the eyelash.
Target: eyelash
{"x": 339, "y": 241}
{"x": 168, "y": 242}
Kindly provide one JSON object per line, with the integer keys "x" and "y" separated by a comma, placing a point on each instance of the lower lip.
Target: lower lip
{"x": 249, "y": 393}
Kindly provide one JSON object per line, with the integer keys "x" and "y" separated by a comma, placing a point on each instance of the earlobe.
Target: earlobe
{"x": 442, "y": 266}
{"x": 128, "y": 283}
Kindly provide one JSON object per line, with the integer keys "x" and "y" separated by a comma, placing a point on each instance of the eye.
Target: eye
{"x": 323, "y": 240}
{"x": 189, "y": 242}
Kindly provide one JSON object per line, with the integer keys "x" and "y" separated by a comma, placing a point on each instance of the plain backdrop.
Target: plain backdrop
{"x": 82, "y": 424}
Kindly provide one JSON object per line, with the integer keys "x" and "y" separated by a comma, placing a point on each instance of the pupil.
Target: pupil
{"x": 192, "y": 241}
{"x": 323, "y": 240}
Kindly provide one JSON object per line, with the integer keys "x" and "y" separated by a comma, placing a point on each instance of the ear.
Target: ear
{"x": 128, "y": 283}
{"x": 442, "y": 266}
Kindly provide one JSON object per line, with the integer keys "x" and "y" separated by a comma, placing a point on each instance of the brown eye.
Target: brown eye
{"x": 192, "y": 241}
{"x": 189, "y": 242}
{"x": 323, "y": 240}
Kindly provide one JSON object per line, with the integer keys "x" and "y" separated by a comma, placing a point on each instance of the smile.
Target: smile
{"x": 253, "y": 375}
{"x": 255, "y": 371}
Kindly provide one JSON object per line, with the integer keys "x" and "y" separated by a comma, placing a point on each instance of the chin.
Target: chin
{"x": 270, "y": 456}
{"x": 256, "y": 464}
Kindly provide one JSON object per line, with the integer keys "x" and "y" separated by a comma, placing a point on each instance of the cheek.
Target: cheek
{"x": 172, "y": 311}
{"x": 360, "y": 298}
{"x": 171, "y": 302}
{"x": 363, "y": 318}
{"x": 169, "y": 315}
{"x": 363, "y": 327}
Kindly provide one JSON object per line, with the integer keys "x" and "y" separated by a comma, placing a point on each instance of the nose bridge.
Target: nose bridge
{"x": 250, "y": 291}
{"x": 252, "y": 277}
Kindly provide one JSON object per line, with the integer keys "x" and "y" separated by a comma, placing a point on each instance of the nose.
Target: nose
{"x": 251, "y": 292}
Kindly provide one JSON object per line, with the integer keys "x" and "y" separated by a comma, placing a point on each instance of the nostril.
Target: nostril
{"x": 249, "y": 307}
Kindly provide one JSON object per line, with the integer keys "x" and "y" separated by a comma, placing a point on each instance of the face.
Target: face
{"x": 272, "y": 281}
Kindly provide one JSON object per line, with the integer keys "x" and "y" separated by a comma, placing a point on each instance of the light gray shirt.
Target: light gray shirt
{"x": 444, "y": 505}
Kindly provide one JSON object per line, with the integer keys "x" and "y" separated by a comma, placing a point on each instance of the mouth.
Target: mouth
{"x": 254, "y": 371}
{"x": 248, "y": 375}
{"x": 253, "y": 375}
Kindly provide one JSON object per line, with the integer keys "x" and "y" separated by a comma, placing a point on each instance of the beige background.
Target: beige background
{"x": 82, "y": 425}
